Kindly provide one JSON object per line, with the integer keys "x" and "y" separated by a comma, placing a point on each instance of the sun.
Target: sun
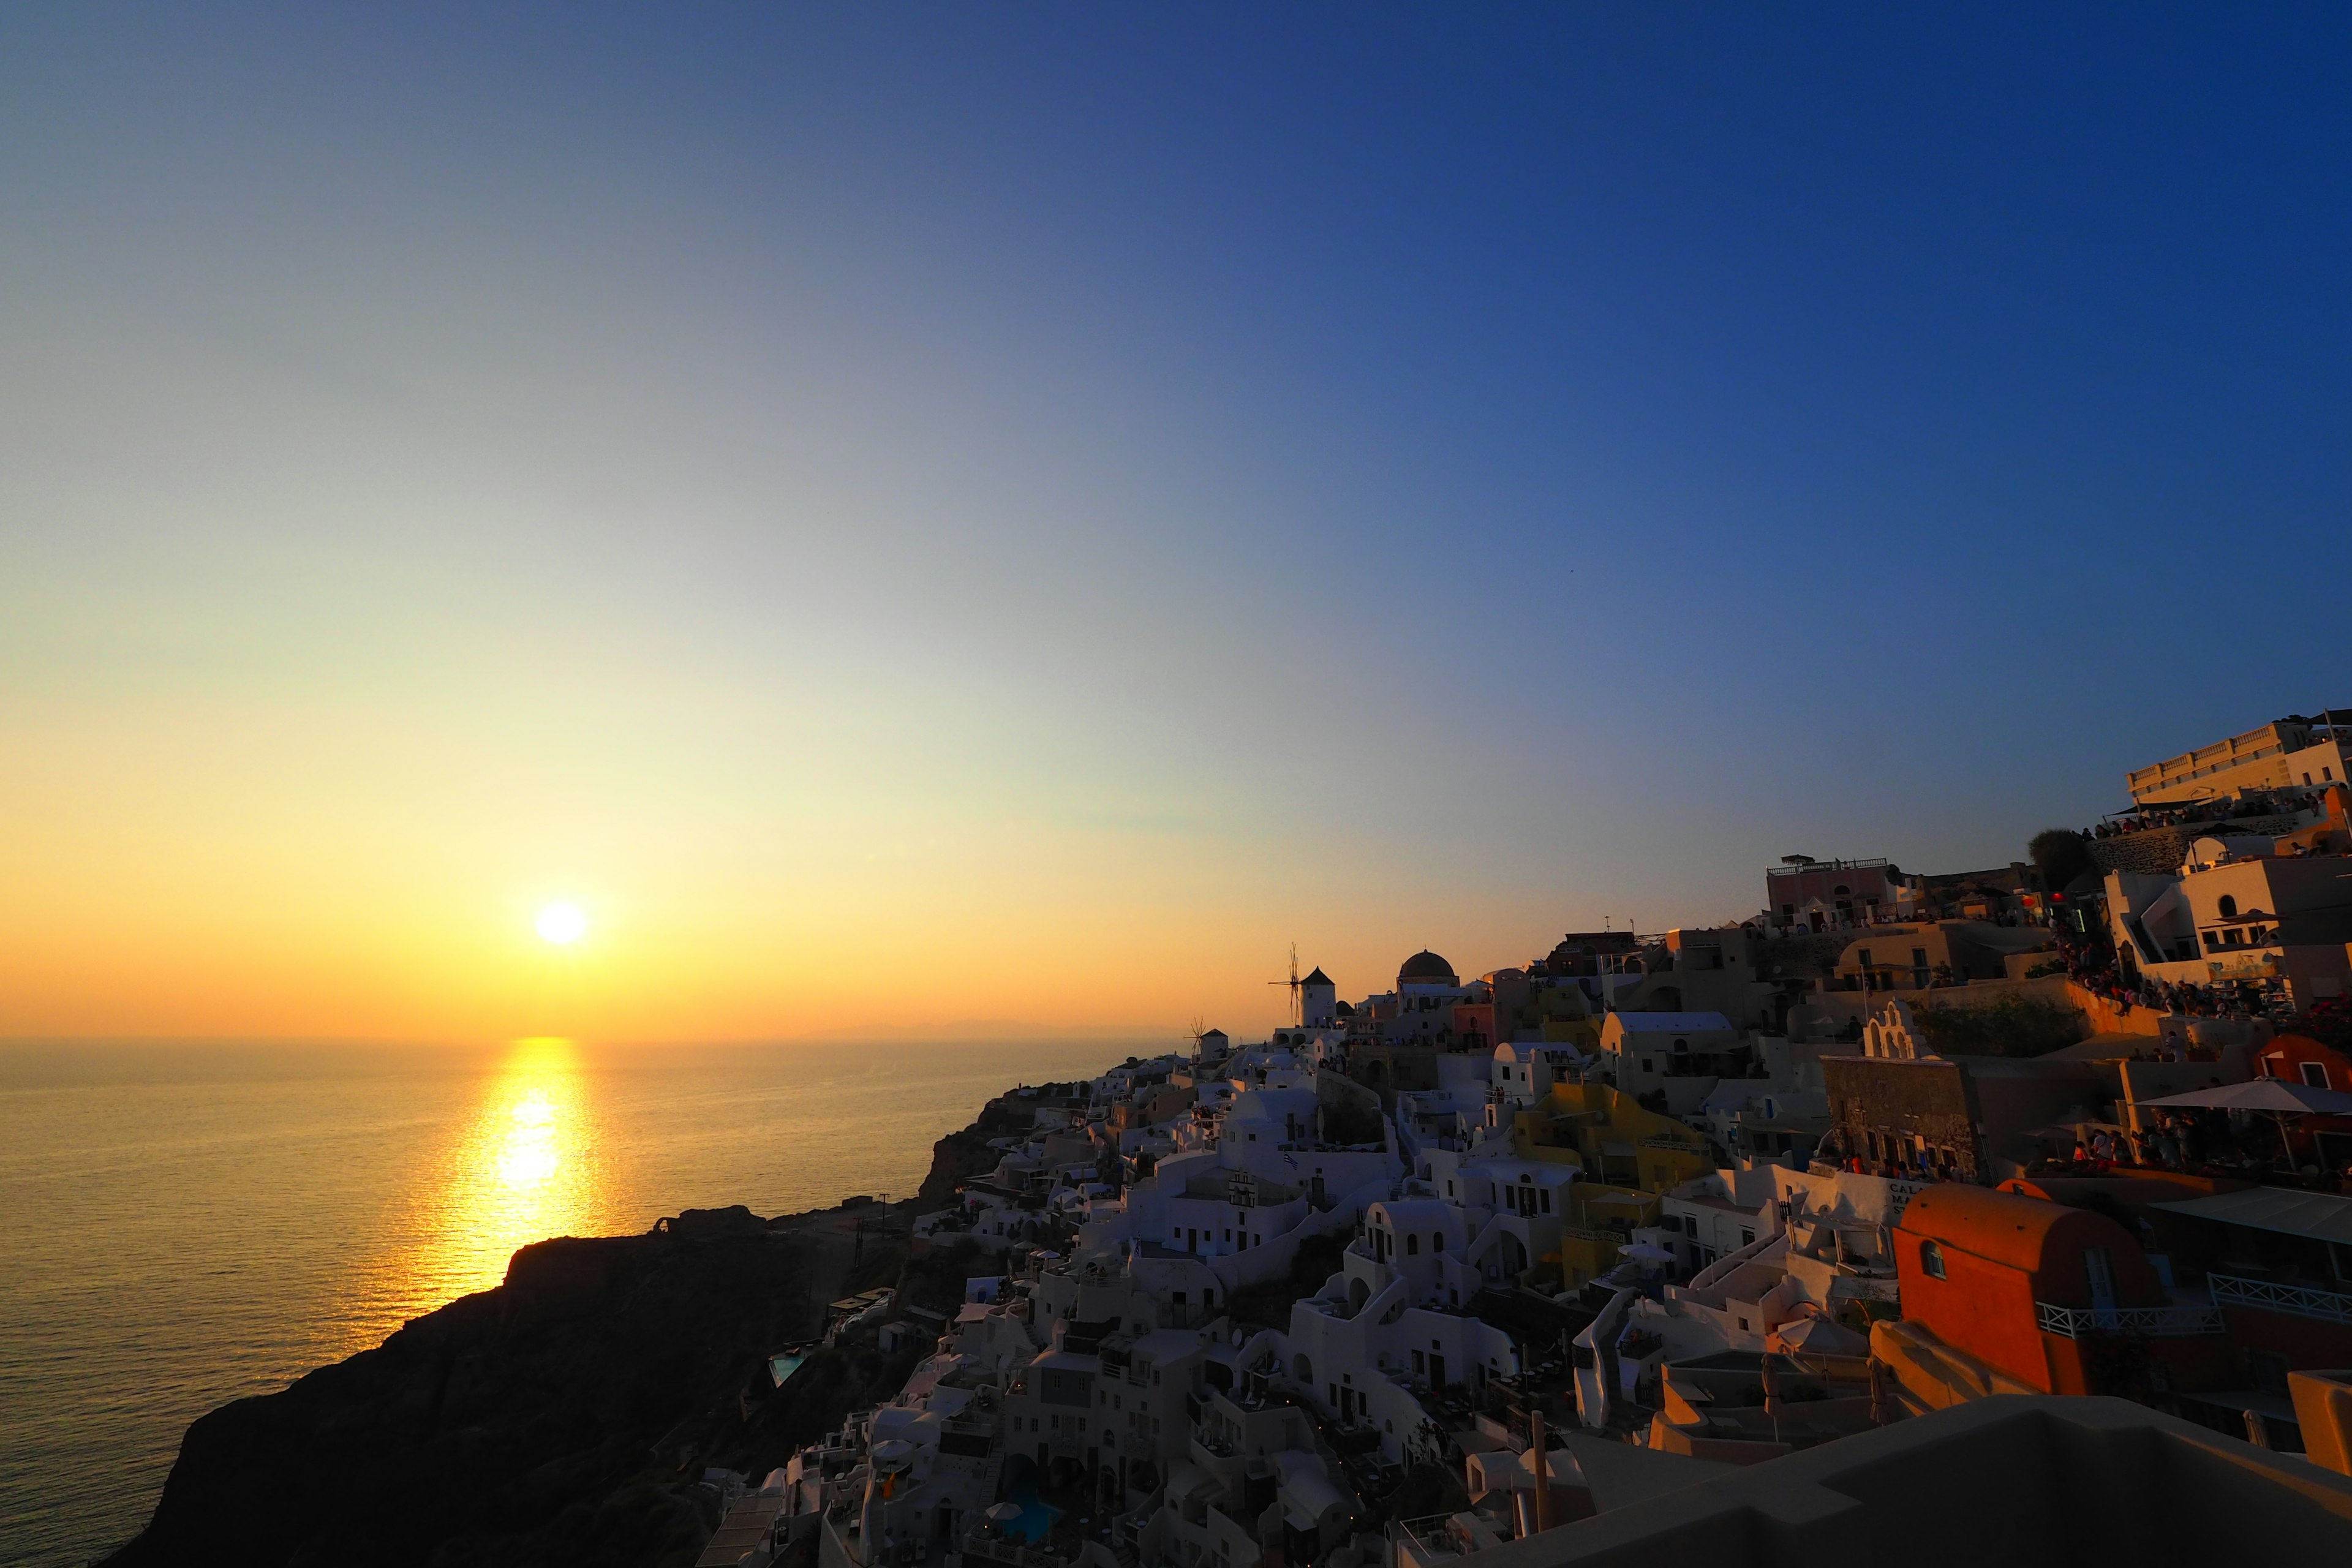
{"x": 562, "y": 925}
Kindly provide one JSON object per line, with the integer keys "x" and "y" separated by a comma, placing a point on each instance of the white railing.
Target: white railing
{"x": 2299, "y": 1301}
{"x": 2072, "y": 1322}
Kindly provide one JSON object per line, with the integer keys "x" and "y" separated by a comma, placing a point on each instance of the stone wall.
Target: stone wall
{"x": 2159, "y": 851}
{"x": 1931, "y": 1099}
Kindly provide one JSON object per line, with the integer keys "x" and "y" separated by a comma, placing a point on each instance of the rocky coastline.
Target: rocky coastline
{"x": 567, "y": 1415}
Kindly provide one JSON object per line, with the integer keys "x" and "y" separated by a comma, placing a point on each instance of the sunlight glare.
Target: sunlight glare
{"x": 562, "y": 923}
{"x": 526, "y": 1168}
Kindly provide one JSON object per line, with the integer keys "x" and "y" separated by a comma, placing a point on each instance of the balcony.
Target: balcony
{"x": 2160, "y": 1323}
{"x": 2271, "y": 1296}
{"x": 1427, "y": 1542}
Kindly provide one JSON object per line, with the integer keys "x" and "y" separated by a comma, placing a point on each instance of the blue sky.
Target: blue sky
{"x": 1015, "y": 495}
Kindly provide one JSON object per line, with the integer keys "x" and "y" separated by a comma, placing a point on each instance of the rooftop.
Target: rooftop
{"x": 2280, "y": 1209}
{"x": 1670, "y": 1023}
{"x": 2170, "y": 1492}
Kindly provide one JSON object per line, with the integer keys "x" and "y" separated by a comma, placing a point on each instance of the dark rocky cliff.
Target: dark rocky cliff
{"x": 564, "y": 1417}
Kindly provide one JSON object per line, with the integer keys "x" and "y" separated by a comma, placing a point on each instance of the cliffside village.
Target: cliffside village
{"x": 1655, "y": 1236}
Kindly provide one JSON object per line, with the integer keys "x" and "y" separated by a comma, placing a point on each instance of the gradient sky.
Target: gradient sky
{"x": 995, "y": 518}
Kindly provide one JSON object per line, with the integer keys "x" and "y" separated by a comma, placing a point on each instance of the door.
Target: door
{"x": 1436, "y": 1370}
{"x": 2099, "y": 1268}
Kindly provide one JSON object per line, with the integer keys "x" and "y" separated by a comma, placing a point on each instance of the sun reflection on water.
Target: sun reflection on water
{"x": 526, "y": 1168}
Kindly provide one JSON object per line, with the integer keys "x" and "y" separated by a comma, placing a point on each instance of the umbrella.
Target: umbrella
{"x": 2275, "y": 1095}
{"x": 1646, "y": 1252}
{"x": 2272, "y": 1094}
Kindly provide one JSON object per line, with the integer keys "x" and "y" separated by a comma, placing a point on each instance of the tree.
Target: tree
{"x": 2060, "y": 856}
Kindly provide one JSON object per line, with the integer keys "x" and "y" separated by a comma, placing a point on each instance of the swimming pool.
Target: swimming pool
{"x": 1037, "y": 1516}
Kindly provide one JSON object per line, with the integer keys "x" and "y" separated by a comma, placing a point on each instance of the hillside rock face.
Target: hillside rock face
{"x": 520, "y": 1423}
{"x": 564, "y": 1417}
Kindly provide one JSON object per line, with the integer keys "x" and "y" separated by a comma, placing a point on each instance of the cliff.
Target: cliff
{"x": 565, "y": 1417}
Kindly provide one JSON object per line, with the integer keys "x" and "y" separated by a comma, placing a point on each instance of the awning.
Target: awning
{"x": 2280, "y": 1209}
{"x": 2272, "y": 1094}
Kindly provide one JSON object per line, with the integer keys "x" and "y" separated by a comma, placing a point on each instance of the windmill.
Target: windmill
{"x": 1199, "y": 1028}
{"x": 1295, "y": 1017}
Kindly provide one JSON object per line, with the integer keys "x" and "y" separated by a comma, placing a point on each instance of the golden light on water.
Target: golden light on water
{"x": 526, "y": 1168}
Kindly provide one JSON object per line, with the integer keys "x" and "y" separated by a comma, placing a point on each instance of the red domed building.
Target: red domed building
{"x": 2060, "y": 1298}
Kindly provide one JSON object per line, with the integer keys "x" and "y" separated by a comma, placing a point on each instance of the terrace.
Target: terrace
{"x": 1439, "y": 1538}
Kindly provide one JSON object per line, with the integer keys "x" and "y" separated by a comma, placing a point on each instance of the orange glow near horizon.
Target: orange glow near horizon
{"x": 259, "y": 894}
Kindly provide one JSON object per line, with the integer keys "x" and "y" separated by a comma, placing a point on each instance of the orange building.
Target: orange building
{"x": 2299, "y": 1059}
{"x": 2060, "y": 1298}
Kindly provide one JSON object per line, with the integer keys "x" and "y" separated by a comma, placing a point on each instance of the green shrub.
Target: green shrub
{"x": 2012, "y": 1026}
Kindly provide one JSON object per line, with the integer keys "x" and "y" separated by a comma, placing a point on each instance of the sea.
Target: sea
{"x": 184, "y": 1224}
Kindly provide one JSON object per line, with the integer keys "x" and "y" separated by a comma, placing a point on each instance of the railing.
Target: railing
{"x": 985, "y": 1542}
{"x": 2074, "y": 1322}
{"x": 1433, "y": 1534}
{"x": 2263, "y": 1295}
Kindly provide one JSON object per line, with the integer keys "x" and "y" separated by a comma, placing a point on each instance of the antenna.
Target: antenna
{"x": 1297, "y": 1016}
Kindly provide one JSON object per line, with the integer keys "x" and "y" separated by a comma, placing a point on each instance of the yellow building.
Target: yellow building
{"x": 1628, "y": 1156}
{"x": 1560, "y": 1012}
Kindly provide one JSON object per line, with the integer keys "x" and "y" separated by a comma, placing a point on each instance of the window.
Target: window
{"x": 1931, "y": 1259}
{"x": 2229, "y": 907}
{"x": 2314, "y": 1074}
{"x": 1412, "y": 1244}
{"x": 1546, "y": 1196}
{"x": 1865, "y": 958}
{"x": 1747, "y": 1238}
{"x": 1918, "y": 958}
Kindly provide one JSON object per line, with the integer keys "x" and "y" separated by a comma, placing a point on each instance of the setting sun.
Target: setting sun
{"x": 562, "y": 925}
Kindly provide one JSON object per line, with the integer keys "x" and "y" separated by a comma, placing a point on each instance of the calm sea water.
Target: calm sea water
{"x": 182, "y": 1226}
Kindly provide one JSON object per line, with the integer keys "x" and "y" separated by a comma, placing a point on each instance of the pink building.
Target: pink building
{"x": 1832, "y": 895}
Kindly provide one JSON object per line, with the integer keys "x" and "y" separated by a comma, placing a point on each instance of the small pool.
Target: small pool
{"x": 1036, "y": 1516}
{"x": 781, "y": 1367}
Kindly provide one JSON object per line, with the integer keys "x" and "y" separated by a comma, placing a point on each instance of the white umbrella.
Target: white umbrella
{"x": 1646, "y": 1252}
{"x": 2272, "y": 1094}
{"x": 2275, "y": 1095}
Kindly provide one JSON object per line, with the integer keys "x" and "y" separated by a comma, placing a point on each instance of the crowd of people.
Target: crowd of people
{"x": 2205, "y": 1143}
{"x": 2092, "y": 966}
{"x": 2269, "y": 804}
